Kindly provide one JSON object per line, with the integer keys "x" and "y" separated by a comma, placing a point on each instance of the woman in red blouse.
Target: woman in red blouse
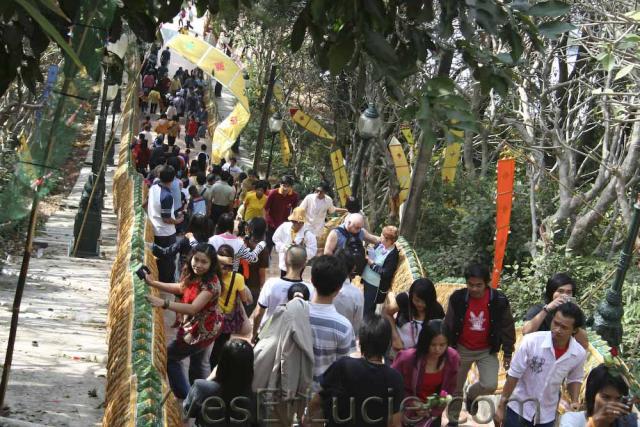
{"x": 200, "y": 290}
{"x": 431, "y": 367}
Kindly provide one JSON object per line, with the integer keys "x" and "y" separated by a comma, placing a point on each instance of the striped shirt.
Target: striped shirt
{"x": 333, "y": 338}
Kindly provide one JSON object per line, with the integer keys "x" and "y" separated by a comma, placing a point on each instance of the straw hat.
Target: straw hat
{"x": 298, "y": 214}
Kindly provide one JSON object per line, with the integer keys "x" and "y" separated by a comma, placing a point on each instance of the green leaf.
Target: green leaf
{"x": 511, "y": 36}
{"x": 340, "y": 53}
{"x": 624, "y": 71}
{"x": 607, "y": 60}
{"x": 55, "y": 8}
{"x": 632, "y": 38}
{"x": 551, "y": 8}
{"x": 378, "y": 47}
{"x": 298, "y": 32}
{"x": 553, "y": 29}
{"x": 50, "y": 30}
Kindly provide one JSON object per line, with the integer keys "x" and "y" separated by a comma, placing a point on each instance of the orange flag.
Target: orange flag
{"x": 504, "y": 199}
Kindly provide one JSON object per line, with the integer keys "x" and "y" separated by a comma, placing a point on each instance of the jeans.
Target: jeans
{"x": 370, "y": 294}
{"x": 217, "y": 211}
{"x": 488, "y": 368}
{"x": 166, "y": 264}
{"x": 176, "y": 352}
{"x": 513, "y": 419}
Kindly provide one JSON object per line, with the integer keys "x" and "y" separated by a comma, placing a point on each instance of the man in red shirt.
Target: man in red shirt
{"x": 480, "y": 322}
{"x": 279, "y": 205}
{"x": 191, "y": 131}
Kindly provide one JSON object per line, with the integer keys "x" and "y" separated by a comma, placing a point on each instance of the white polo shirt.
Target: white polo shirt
{"x": 540, "y": 375}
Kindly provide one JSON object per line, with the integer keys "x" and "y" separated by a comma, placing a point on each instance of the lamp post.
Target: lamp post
{"x": 275, "y": 125}
{"x": 608, "y": 316}
{"x": 88, "y": 220}
{"x": 369, "y": 125}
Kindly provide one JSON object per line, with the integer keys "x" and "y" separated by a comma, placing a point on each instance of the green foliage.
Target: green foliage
{"x": 459, "y": 226}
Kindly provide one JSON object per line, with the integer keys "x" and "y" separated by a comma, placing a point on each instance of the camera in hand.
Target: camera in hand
{"x": 142, "y": 271}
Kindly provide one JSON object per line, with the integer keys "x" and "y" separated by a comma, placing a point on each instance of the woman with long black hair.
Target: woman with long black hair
{"x": 231, "y": 383}
{"x": 414, "y": 309}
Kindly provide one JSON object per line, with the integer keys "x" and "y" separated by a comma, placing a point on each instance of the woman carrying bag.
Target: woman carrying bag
{"x": 231, "y": 303}
{"x": 382, "y": 262}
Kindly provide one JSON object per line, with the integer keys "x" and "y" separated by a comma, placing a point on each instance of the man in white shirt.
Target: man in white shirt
{"x": 350, "y": 301}
{"x": 317, "y": 205}
{"x": 232, "y": 167}
{"x": 294, "y": 232}
{"x": 541, "y": 364}
{"x": 274, "y": 290}
{"x": 160, "y": 210}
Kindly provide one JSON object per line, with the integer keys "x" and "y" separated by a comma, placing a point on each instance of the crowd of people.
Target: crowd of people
{"x": 287, "y": 351}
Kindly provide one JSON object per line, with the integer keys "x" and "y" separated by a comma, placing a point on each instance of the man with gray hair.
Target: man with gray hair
{"x": 350, "y": 236}
{"x": 274, "y": 290}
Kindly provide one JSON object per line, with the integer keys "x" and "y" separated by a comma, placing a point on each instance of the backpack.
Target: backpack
{"x": 353, "y": 245}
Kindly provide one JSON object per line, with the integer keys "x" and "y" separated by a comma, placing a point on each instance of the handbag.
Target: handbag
{"x": 204, "y": 326}
{"x": 234, "y": 321}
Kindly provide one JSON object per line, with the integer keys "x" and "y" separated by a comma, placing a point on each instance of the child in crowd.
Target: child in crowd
{"x": 197, "y": 204}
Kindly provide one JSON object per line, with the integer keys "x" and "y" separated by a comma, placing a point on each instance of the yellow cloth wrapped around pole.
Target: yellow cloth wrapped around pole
{"x": 451, "y": 158}
{"x": 340, "y": 175}
{"x": 285, "y": 151}
{"x": 403, "y": 171}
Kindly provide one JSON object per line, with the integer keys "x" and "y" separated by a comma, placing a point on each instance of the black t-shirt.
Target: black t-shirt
{"x": 359, "y": 379}
{"x": 533, "y": 312}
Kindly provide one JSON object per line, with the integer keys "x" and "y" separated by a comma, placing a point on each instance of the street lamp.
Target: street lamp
{"x": 88, "y": 220}
{"x": 369, "y": 122}
{"x": 369, "y": 125}
{"x": 275, "y": 125}
{"x": 608, "y": 316}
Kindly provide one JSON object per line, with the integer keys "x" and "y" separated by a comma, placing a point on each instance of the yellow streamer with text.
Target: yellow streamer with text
{"x": 284, "y": 148}
{"x": 403, "y": 172}
{"x": 222, "y": 68}
{"x": 304, "y": 120}
{"x": 451, "y": 158}
{"x": 340, "y": 175}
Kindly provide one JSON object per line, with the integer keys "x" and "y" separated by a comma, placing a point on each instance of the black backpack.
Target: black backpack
{"x": 353, "y": 245}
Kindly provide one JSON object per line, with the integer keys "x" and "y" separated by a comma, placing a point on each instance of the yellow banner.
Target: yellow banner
{"x": 405, "y": 128}
{"x": 227, "y": 132}
{"x": 340, "y": 176}
{"x": 304, "y": 120}
{"x": 451, "y": 157}
{"x": 284, "y": 148}
{"x": 213, "y": 62}
{"x": 403, "y": 172}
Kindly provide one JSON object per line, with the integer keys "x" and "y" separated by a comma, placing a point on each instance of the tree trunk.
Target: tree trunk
{"x": 411, "y": 211}
{"x": 585, "y": 223}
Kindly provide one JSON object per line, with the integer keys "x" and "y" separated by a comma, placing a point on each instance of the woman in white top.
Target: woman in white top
{"x": 604, "y": 396}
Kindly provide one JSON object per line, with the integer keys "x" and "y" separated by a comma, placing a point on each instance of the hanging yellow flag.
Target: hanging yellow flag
{"x": 227, "y": 132}
{"x": 405, "y": 128}
{"x": 304, "y": 120}
{"x": 451, "y": 157}
{"x": 284, "y": 148}
{"x": 213, "y": 62}
{"x": 340, "y": 176}
{"x": 403, "y": 172}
